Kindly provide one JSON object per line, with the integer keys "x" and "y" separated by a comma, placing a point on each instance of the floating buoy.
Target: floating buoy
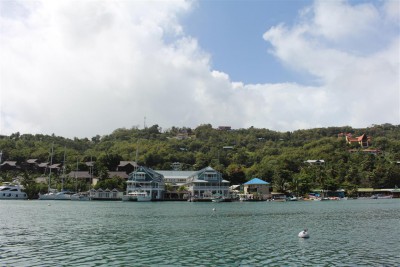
{"x": 48, "y": 204}
{"x": 304, "y": 234}
{"x": 214, "y": 209}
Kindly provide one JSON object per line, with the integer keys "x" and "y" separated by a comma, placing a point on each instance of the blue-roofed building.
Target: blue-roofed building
{"x": 257, "y": 188}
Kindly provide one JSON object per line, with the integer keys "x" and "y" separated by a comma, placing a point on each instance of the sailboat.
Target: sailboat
{"x": 51, "y": 193}
{"x": 80, "y": 196}
{"x": 63, "y": 195}
{"x": 218, "y": 197}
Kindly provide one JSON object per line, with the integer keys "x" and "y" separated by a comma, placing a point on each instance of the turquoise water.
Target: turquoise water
{"x": 69, "y": 233}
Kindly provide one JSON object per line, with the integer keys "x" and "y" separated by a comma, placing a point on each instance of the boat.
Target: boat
{"x": 81, "y": 196}
{"x": 304, "y": 234}
{"x": 51, "y": 193}
{"x": 218, "y": 198}
{"x": 292, "y": 198}
{"x": 8, "y": 191}
{"x": 381, "y": 196}
{"x": 63, "y": 195}
{"x": 140, "y": 196}
{"x": 278, "y": 197}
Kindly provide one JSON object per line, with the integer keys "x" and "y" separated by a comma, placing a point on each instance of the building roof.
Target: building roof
{"x": 124, "y": 163}
{"x": 176, "y": 174}
{"x": 43, "y": 165}
{"x": 365, "y": 189}
{"x": 256, "y": 181}
{"x": 10, "y": 163}
{"x": 150, "y": 175}
{"x": 314, "y": 161}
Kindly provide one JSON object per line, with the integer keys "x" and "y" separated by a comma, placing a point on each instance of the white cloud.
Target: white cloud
{"x": 360, "y": 85}
{"x": 88, "y": 67}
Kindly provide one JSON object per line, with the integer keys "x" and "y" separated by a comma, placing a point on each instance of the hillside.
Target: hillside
{"x": 277, "y": 157}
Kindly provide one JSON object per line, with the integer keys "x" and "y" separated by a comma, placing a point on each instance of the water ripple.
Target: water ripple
{"x": 347, "y": 233}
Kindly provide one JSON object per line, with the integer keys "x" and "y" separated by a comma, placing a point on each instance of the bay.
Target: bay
{"x": 69, "y": 233}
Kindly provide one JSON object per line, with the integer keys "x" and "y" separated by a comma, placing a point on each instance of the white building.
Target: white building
{"x": 207, "y": 182}
{"x": 146, "y": 180}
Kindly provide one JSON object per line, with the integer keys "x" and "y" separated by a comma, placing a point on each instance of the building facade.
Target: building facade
{"x": 146, "y": 180}
{"x": 206, "y": 183}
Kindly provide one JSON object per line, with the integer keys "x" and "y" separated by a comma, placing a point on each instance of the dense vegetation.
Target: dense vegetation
{"x": 277, "y": 157}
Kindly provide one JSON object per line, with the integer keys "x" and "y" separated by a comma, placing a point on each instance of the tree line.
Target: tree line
{"x": 240, "y": 154}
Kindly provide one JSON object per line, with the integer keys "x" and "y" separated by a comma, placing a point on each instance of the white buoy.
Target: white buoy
{"x": 304, "y": 234}
{"x": 48, "y": 204}
{"x": 214, "y": 209}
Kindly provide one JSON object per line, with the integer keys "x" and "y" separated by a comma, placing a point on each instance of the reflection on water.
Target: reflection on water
{"x": 342, "y": 233}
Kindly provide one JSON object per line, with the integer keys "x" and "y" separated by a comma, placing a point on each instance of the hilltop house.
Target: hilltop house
{"x": 315, "y": 161}
{"x": 364, "y": 141}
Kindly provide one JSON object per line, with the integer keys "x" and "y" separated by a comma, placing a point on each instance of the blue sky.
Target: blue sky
{"x": 82, "y": 68}
{"x": 232, "y": 32}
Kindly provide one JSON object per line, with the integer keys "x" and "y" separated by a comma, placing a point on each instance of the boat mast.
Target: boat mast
{"x": 63, "y": 175}
{"x": 76, "y": 176}
{"x": 51, "y": 163}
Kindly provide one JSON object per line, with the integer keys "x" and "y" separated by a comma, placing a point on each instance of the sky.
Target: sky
{"x": 85, "y": 68}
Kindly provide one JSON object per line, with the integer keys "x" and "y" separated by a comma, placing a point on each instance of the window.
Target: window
{"x": 211, "y": 176}
{"x": 140, "y": 176}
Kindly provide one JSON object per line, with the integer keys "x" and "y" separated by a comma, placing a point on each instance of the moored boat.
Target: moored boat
{"x": 381, "y": 196}
{"x": 217, "y": 199}
{"x": 140, "y": 196}
{"x": 81, "y": 196}
{"x": 50, "y": 195}
{"x": 63, "y": 195}
{"x": 9, "y": 191}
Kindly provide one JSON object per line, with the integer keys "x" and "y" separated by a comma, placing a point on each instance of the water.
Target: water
{"x": 69, "y": 233}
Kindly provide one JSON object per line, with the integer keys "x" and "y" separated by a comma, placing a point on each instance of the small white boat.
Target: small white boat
{"x": 51, "y": 195}
{"x": 304, "y": 234}
{"x": 8, "y": 191}
{"x": 140, "y": 196}
{"x": 218, "y": 198}
{"x": 381, "y": 196}
{"x": 63, "y": 195}
{"x": 80, "y": 197}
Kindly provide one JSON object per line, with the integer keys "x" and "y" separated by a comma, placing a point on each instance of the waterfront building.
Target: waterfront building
{"x": 175, "y": 184}
{"x": 106, "y": 194}
{"x": 144, "y": 179}
{"x": 207, "y": 182}
{"x": 176, "y": 178}
{"x": 257, "y": 189}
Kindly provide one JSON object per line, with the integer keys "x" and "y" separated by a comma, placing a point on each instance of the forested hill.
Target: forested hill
{"x": 240, "y": 154}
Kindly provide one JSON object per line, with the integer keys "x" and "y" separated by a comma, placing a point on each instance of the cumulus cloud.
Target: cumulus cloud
{"x": 83, "y": 68}
{"x": 353, "y": 52}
